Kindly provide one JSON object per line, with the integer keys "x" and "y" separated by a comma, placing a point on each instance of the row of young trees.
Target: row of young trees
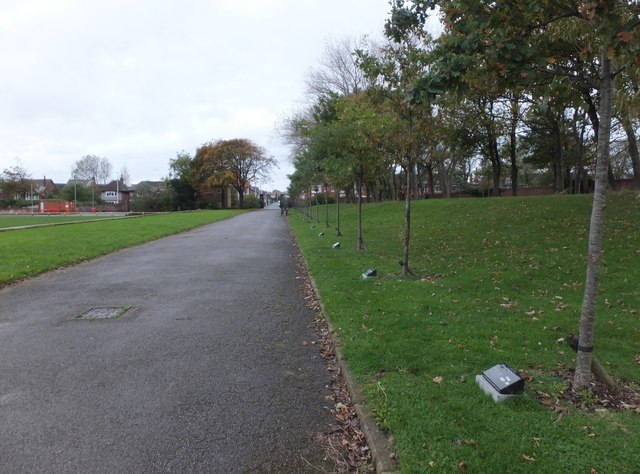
{"x": 488, "y": 122}
{"x": 509, "y": 89}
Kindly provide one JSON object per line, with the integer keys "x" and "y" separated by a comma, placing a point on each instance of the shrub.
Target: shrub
{"x": 251, "y": 202}
{"x": 322, "y": 197}
{"x": 209, "y": 205}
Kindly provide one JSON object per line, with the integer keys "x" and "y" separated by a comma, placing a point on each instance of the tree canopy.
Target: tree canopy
{"x": 237, "y": 162}
{"x": 509, "y": 93}
{"x": 92, "y": 167}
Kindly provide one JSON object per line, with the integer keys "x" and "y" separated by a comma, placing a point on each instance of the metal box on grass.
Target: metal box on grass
{"x": 501, "y": 382}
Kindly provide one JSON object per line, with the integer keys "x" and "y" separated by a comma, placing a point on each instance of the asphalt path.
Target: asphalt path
{"x": 210, "y": 370}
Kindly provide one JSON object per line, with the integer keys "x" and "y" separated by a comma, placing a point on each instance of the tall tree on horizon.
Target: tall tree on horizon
{"x": 92, "y": 167}
{"x": 237, "y": 162}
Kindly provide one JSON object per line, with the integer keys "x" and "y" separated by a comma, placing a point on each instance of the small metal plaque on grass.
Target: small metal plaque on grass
{"x": 103, "y": 312}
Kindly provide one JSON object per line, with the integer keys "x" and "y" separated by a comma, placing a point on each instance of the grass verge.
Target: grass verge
{"x": 499, "y": 280}
{"x": 28, "y": 252}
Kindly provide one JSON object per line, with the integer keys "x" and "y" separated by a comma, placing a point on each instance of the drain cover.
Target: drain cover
{"x": 103, "y": 312}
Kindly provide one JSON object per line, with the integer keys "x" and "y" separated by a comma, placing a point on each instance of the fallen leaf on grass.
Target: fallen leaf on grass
{"x": 528, "y": 458}
{"x": 557, "y": 408}
{"x": 462, "y": 467}
{"x": 438, "y": 379}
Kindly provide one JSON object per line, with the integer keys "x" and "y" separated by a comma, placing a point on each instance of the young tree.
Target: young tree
{"x": 92, "y": 167}
{"x": 408, "y": 131}
{"x": 356, "y": 138}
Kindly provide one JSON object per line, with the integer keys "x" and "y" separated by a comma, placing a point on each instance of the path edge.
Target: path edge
{"x": 381, "y": 456}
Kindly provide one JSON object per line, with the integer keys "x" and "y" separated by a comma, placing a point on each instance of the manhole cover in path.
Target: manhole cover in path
{"x": 103, "y": 312}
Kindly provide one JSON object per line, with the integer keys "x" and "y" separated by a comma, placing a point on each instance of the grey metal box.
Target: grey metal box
{"x": 504, "y": 380}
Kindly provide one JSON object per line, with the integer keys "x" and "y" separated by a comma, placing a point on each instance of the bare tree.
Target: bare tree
{"x": 124, "y": 175}
{"x": 338, "y": 72}
{"x": 92, "y": 167}
{"x": 15, "y": 180}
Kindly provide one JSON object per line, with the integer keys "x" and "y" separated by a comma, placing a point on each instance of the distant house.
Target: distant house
{"x": 33, "y": 190}
{"x": 81, "y": 183}
{"x": 115, "y": 192}
{"x": 153, "y": 185}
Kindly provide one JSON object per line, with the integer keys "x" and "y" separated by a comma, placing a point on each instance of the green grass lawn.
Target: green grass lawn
{"x": 499, "y": 280}
{"x": 22, "y": 220}
{"x": 28, "y": 252}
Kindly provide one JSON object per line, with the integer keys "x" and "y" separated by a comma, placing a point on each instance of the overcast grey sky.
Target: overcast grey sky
{"x": 136, "y": 81}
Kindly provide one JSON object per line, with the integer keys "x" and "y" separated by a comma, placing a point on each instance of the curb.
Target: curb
{"x": 381, "y": 457}
{"x": 376, "y": 439}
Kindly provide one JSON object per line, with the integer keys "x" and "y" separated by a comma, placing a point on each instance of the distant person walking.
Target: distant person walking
{"x": 284, "y": 208}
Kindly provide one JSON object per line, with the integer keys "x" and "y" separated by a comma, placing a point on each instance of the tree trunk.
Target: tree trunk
{"x": 338, "y": 233}
{"x": 633, "y": 150}
{"x": 512, "y": 147}
{"x": 360, "y": 243}
{"x": 582, "y": 179}
{"x": 394, "y": 184}
{"x": 326, "y": 205}
{"x": 407, "y": 225}
{"x": 430, "y": 177}
{"x": 595, "y": 123}
{"x": 582, "y": 376}
{"x": 558, "y": 184}
{"x": 596, "y": 368}
{"x": 444, "y": 179}
{"x": 496, "y": 166}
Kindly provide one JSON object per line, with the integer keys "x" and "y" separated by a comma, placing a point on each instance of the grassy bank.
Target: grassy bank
{"x": 28, "y": 252}
{"x": 499, "y": 280}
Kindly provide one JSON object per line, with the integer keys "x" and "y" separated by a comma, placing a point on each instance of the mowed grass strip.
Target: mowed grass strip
{"x": 498, "y": 280}
{"x": 24, "y": 220}
{"x": 28, "y": 252}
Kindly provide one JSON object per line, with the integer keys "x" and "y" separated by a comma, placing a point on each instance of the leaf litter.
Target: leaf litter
{"x": 344, "y": 443}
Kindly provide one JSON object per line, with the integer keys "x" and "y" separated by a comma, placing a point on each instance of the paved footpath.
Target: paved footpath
{"x": 208, "y": 371}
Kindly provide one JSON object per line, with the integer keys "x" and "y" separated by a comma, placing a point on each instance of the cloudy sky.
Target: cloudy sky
{"x": 137, "y": 81}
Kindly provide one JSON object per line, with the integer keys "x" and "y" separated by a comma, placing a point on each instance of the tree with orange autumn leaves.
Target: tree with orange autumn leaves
{"x": 237, "y": 163}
